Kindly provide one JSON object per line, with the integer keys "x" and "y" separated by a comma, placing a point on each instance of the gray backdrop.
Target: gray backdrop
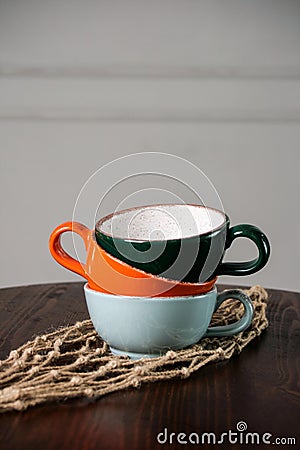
{"x": 82, "y": 83}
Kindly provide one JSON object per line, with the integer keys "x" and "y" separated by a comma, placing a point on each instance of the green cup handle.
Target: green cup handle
{"x": 236, "y": 327}
{"x": 248, "y": 267}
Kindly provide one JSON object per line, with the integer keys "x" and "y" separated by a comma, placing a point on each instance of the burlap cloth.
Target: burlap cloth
{"x": 74, "y": 362}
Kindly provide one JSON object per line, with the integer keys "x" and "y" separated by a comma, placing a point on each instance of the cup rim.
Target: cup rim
{"x": 135, "y": 240}
{"x": 151, "y": 299}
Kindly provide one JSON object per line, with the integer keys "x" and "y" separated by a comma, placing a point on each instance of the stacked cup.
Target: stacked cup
{"x": 151, "y": 274}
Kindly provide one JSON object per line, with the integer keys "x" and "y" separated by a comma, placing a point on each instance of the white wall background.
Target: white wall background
{"x": 82, "y": 83}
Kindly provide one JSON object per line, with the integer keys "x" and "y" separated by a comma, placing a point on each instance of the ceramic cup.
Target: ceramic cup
{"x": 111, "y": 275}
{"x": 178, "y": 241}
{"x": 148, "y": 327}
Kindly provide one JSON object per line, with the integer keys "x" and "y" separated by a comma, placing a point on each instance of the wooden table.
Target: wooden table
{"x": 259, "y": 387}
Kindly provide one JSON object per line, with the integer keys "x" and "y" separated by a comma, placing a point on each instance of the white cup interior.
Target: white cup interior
{"x": 161, "y": 222}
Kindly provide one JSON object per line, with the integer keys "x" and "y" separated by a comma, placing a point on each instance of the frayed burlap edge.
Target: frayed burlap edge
{"x": 74, "y": 362}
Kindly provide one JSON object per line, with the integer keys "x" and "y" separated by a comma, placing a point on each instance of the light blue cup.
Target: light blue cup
{"x": 148, "y": 327}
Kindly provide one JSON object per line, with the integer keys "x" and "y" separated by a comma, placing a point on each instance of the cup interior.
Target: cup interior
{"x": 161, "y": 222}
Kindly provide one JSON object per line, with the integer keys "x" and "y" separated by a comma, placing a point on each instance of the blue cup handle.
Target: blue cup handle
{"x": 236, "y": 327}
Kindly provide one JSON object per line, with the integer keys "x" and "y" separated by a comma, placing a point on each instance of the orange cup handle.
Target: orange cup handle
{"x": 60, "y": 255}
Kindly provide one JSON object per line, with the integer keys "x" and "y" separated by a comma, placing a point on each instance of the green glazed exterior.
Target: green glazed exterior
{"x": 192, "y": 259}
{"x": 163, "y": 265}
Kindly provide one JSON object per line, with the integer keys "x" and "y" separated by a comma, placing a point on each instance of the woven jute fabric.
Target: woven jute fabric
{"x": 74, "y": 362}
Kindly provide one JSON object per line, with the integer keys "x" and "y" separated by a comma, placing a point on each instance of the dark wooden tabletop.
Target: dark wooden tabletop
{"x": 259, "y": 387}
